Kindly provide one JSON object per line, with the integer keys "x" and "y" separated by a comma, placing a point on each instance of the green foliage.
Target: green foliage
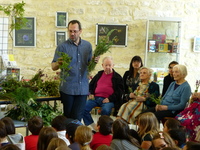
{"x": 16, "y": 12}
{"x": 23, "y": 94}
{"x": 155, "y": 99}
{"x": 102, "y": 47}
{"x": 65, "y": 65}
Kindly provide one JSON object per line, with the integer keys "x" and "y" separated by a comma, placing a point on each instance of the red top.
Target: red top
{"x": 31, "y": 142}
{"x": 100, "y": 139}
{"x": 104, "y": 86}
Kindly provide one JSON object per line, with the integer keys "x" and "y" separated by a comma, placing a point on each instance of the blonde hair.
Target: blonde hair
{"x": 55, "y": 142}
{"x": 148, "y": 124}
{"x": 83, "y": 136}
{"x": 164, "y": 136}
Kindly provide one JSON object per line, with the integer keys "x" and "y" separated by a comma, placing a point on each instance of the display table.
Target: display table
{"x": 39, "y": 99}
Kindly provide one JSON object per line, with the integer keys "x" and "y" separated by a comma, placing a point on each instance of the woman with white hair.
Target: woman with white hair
{"x": 176, "y": 96}
{"x": 128, "y": 111}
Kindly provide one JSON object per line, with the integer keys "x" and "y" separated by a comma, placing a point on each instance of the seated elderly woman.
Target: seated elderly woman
{"x": 176, "y": 96}
{"x": 128, "y": 111}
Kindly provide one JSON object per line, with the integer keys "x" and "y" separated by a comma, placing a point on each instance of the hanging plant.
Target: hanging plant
{"x": 102, "y": 47}
{"x": 16, "y": 13}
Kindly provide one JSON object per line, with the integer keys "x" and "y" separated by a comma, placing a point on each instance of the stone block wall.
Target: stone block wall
{"x": 89, "y": 12}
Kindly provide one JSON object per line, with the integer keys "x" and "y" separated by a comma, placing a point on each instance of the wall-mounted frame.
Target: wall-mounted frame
{"x": 60, "y": 37}
{"x": 26, "y": 37}
{"x": 119, "y": 34}
{"x": 61, "y": 19}
{"x": 196, "y": 46}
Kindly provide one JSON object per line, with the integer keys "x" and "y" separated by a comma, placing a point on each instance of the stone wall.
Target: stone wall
{"x": 132, "y": 12}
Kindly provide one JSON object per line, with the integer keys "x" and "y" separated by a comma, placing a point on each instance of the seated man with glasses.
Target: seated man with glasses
{"x": 169, "y": 78}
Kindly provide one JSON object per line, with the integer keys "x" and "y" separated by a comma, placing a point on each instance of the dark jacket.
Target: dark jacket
{"x": 118, "y": 88}
{"x": 153, "y": 89}
{"x": 167, "y": 81}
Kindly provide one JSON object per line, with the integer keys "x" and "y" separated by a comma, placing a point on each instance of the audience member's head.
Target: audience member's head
{"x": 104, "y": 124}
{"x": 161, "y": 140}
{"x": 55, "y": 142}
{"x": 63, "y": 147}
{"x": 171, "y": 148}
{"x": 9, "y": 147}
{"x": 35, "y": 124}
{"x": 83, "y": 136}
{"x": 45, "y": 136}
{"x": 171, "y": 124}
{"x": 3, "y": 132}
{"x": 147, "y": 123}
{"x": 170, "y": 67}
{"x": 70, "y": 131}
{"x": 192, "y": 146}
{"x": 120, "y": 130}
{"x": 179, "y": 136}
{"x": 10, "y": 127}
{"x": 104, "y": 147}
{"x": 59, "y": 123}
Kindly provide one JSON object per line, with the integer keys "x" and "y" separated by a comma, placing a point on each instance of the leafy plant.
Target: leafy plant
{"x": 16, "y": 12}
{"x": 102, "y": 47}
{"x": 65, "y": 65}
{"x": 23, "y": 95}
{"x": 155, "y": 99}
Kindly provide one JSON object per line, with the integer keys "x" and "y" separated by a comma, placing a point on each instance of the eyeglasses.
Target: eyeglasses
{"x": 73, "y": 31}
{"x": 161, "y": 147}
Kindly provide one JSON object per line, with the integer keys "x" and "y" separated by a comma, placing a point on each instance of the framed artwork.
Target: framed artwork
{"x": 118, "y": 36}
{"x": 61, "y": 19}
{"x": 60, "y": 37}
{"x": 26, "y": 37}
{"x": 196, "y": 46}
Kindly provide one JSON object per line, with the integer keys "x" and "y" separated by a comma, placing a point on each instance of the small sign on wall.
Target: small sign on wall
{"x": 196, "y": 46}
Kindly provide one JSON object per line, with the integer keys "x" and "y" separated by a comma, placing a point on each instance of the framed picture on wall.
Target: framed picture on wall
{"x": 196, "y": 46}
{"x": 61, "y": 19}
{"x": 60, "y": 37}
{"x": 26, "y": 37}
{"x": 118, "y": 36}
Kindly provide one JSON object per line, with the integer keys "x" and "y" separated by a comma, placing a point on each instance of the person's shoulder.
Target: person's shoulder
{"x": 117, "y": 74}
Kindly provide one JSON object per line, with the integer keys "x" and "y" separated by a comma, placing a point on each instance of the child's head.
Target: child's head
{"x": 59, "y": 123}
{"x": 171, "y": 124}
{"x": 147, "y": 123}
{"x": 192, "y": 146}
{"x": 55, "y": 142}
{"x": 45, "y": 136}
{"x": 179, "y": 136}
{"x": 83, "y": 136}
{"x": 70, "y": 131}
{"x": 10, "y": 127}
{"x": 3, "y": 132}
{"x": 35, "y": 124}
{"x": 161, "y": 140}
{"x": 104, "y": 124}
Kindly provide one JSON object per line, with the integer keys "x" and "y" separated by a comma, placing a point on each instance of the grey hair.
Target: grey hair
{"x": 182, "y": 69}
{"x": 150, "y": 71}
{"x": 107, "y": 57}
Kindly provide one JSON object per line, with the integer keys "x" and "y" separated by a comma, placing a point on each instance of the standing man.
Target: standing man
{"x": 74, "y": 89}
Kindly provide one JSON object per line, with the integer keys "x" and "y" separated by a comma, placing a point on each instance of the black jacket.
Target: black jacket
{"x": 118, "y": 88}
